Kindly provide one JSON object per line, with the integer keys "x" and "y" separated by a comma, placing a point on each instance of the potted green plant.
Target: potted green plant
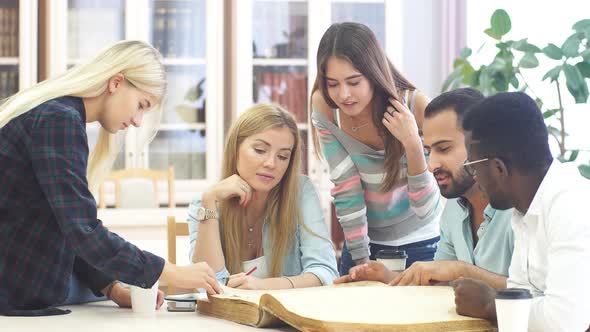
{"x": 192, "y": 109}
{"x": 513, "y": 57}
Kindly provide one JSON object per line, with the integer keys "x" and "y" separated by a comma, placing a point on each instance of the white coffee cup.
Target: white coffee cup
{"x": 143, "y": 301}
{"x": 393, "y": 259}
{"x": 512, "y": 309}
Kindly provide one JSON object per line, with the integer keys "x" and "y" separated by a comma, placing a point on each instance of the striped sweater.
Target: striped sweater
{"x": 365, "y": 213}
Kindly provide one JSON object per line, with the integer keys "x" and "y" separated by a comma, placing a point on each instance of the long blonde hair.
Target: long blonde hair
{"x": 139, "y": 62}
{"x": 283, "y": 208}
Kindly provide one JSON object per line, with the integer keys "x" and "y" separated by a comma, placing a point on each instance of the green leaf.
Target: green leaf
{"x": 554, "y": 131}
{"x": 581, "y": 25}
{"x": 514, "y": 82}
{"x": 519, "y": 44}
{"x": 485, "y": 82}
{"x": 571, "y": 46}
{"x": 586, "y": 54}
{"x": 529, "y": 60}
{"x": 455, "y": 84}
{"x": 491, "y": 33}
{"x": 473, "y": 79}
{"x": 549, "y": 113}
{"x": 573, "y": 155}
{"x": 539, "y": 103}
{"x": 584, "y": 171}
{"x": 572, "y": 75}
{"x": 498, "y": 64}
{"x": 458, "y": 62}
{"x": 501, "y": 24}
{"x": 524, "y": 46}
{"x": 455, "y": 75}
{"x": 553, "y": 74}
{"x": 467, "y": 69}
{"x": 504, "y": 45}
{"x": 553, "y": 52}
{"x": 575, "y": 83}
{"x": 500, "y": 84}
{"x": 584, "y": 90}
{"x": 584, "y": 68}
{"x": 465, "y": 52}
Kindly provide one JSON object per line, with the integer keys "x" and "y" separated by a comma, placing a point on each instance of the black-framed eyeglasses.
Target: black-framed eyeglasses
{"x": 469, "y": 169}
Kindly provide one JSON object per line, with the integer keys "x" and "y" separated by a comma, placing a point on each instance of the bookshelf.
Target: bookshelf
{"x": 189, "y": 34}
{"x": 18, "y": 38}
{"x": 275, "y": 48}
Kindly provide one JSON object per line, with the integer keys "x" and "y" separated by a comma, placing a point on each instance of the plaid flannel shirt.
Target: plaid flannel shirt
{"x": 48, "y": 223}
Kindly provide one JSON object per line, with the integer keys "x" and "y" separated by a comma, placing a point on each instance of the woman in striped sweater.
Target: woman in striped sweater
{"x": 385, "y": 197}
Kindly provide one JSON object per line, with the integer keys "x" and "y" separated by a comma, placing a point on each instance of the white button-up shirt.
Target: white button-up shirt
{"x": 552, "y": 251}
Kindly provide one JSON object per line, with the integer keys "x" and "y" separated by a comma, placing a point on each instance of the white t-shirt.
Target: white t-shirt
{"x": 261, "y": 267}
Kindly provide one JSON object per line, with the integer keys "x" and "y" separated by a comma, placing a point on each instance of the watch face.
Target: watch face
{"x": 201, "y": 213}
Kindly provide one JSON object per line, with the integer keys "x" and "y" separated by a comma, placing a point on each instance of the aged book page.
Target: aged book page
{"x": 366, "y": 306}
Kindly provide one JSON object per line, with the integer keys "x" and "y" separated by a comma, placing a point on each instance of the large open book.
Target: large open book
{"x": 361, "y": 306}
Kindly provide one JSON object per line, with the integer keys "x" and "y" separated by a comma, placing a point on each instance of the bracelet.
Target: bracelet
{"x": 110, "y": 289}
{"x": 290, "y": 281}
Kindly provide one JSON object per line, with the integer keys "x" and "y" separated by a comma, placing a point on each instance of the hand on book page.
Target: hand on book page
{"x": 429, "y": 273}
{"x": 370, "y": 271}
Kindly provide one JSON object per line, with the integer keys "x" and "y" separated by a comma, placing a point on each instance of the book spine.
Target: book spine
{"x": 13, "y": 82}
{"x": 302, "y": 96}
{"x": 3, "y": 33}
{"x": 184, "y": 16}
{"x": 171, "y": 32}
{"x": 14, "y": 32}
{"x": 159, "y": 38}
{"x": 3, "y": 84}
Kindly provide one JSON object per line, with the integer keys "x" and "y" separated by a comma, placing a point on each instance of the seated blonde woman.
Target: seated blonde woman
{"x": 264, "y": 213}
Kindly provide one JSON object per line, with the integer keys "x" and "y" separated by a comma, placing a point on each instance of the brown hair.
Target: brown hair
{"x": 357, "y": 44}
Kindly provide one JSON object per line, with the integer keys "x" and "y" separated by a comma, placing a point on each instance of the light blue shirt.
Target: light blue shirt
{"x": 309, "y": 253}
{"x": 495, "y": 244}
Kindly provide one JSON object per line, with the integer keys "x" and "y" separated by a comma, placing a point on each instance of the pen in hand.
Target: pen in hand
{"x": 226, "y": 280}
{"x": 251, "y": 271}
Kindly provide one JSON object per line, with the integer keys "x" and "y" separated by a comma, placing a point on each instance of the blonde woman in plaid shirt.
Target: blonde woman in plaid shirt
{"x": 53, "y": 249}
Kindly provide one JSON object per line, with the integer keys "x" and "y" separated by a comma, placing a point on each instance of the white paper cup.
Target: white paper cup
{"x": 394, "y": 260}
{"x": 143, "y": 301}
{"x": 512, "y": 309}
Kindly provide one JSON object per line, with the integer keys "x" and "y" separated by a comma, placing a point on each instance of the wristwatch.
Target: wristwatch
{"x": 206, "y": 214}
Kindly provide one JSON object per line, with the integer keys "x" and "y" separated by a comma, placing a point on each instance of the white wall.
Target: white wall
{"x": 421, "y": 60}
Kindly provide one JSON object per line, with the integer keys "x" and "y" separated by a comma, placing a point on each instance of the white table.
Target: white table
{"x": 106, "y": 316}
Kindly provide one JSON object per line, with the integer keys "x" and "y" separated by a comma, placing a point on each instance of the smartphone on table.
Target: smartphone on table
{"x": 183, "y": 302}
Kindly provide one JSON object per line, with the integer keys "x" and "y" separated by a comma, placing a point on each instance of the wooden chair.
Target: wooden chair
{"x": 139, "y": 173}
{"x": 174, "y": 229}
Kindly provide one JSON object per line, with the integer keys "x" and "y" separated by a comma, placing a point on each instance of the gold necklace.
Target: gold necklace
{"x": 354, "y": 129}
{"x": 250, "y": 234}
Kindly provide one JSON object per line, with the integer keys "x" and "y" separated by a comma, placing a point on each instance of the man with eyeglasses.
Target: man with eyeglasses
{"x": 508, "y": 138}
{"x": 475, "y": 240}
